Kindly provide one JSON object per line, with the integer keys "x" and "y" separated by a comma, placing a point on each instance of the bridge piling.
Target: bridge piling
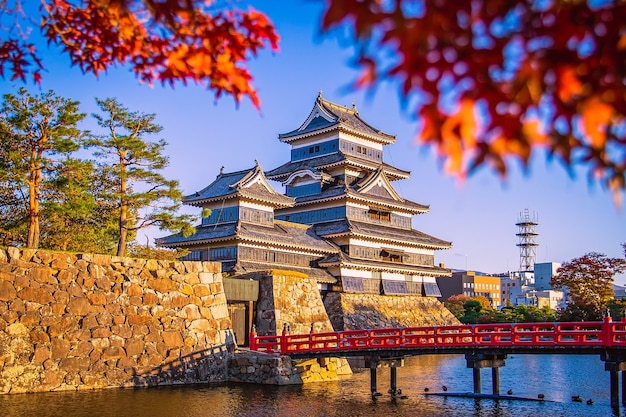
{"x": 373, "y": 363}
{"x": 495, "y": 381}
{"x": 373, "y": 388}
{"x": 623, "y": 388}
{"x": 478, "y": 361}
{"x": 476, "y": 378}
{"x": 615, "y": 363}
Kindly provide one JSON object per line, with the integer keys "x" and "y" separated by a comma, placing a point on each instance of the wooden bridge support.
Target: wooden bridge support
{"x": 614, "y": 364}
{"x": 478, "y": 361}
{"x": 373, "y": 363}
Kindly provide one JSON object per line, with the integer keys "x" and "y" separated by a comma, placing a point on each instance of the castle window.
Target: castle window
{"x": 392, "y": 255}
{"x": 381, "y": 216}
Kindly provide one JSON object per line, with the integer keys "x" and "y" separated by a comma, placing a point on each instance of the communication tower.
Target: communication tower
{"x": 527, "y": 246}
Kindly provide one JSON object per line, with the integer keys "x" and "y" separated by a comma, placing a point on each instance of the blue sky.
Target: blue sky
{"x": 478, "y": 216}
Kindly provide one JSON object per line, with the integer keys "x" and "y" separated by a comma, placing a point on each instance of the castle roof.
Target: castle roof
{"x": 320, "y": 275}
{"x": 329, "y": 116}
{"x": 334, "y": 160}
{"x": 283, "y": 234}
{"x": 374, "y": 190}
{"x": 250, "y": 184}
{"x": 343, "y": 260}
{"x": 380, "y": 233}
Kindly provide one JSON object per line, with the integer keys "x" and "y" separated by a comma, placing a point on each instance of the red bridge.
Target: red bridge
{"x": 484, "y": 346}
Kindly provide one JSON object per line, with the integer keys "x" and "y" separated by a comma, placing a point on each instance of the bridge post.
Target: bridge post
{"x": 478, "y": 360}
{"x": 373, "y": 364}
{"x": 393, "y": 363}
{"x": 615, "y": 363}
{"x": 373, "y": 388}
{"x": 476, "y": 378}
{"x": 495, "y": 381}
{"x": 623, "y": 387}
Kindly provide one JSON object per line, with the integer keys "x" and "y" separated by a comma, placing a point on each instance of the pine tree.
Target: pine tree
{"x": 131, "y": 164}
{"x": 36, "y": 134}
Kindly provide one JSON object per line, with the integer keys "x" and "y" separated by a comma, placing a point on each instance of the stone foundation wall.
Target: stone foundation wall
{"x": 289, "y": 298}
{"x": 370, "y": 311}
{"x": 273, "y": 369}
{"x": 81, "y": 321}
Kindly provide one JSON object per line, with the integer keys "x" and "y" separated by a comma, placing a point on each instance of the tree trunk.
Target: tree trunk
{"x": 33, "y": 204}
{"x": 123, "y": 223}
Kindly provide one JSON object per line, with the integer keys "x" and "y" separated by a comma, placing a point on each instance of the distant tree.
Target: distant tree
{"x": 492, "y": 81}
{"x": 589, "y": 280}
{"x": 37, "y": 133}
{"x": 198, "y": 41}
{"x": 455, "y": 304}
{"x": 142, "y": 195}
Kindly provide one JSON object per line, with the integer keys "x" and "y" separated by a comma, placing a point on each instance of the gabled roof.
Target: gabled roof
{"x": 292, "y": 236}
{"x": 373, "y": 197}
{"x": 376, "y": 183}
{"x": 324, "y": 162}
{"x": 248, "y": 184}
{"x": 327, "y": 116}
{"x": 379, "y": 233}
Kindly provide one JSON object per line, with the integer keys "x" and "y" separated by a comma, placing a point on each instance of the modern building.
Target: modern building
{"x": 340, "y": 220}
{"x": 543, "y": 274}
{"x": 472, "y": 284}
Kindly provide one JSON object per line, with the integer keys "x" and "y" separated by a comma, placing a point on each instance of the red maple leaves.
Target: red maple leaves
{"x": 496, "y": 79}
{"x": 162, "y": 40}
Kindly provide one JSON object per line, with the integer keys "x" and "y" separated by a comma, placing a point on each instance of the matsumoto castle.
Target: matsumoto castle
{"x": 340, "y": 220}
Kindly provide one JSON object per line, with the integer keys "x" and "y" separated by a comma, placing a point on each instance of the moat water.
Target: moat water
{"x": 557, "y": 377}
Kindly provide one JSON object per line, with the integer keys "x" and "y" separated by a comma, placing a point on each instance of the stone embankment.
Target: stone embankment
{"x": 81, "y": 321}
{"x": 268, "y": 368}
{"x": 369, "y": 311}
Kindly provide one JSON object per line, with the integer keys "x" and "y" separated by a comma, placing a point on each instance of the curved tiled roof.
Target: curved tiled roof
{"x": 328, "y": 115}
{"x": 379, "y": 232}
{"x": 332, "y": 160}
{"x": 281, "y": 234}
{"x": 370, "y": 264}
{"x": 320, "y": 275}
{"x": 345, "y": 192}
{"x": 250, "y": 183}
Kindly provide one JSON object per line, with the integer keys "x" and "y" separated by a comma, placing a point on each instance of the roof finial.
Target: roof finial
{"x": 222, "y": 169}
{"x": 319, "y": 95}
{"x": 256, "y": 163}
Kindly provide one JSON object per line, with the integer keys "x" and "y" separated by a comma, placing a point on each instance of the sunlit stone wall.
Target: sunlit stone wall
{"x": 82, "y": 321}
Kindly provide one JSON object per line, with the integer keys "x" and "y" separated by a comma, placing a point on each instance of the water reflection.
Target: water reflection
{"x": 558, "y": 377}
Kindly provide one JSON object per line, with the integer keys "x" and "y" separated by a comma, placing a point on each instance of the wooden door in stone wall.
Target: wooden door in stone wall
{"x": 238, "y": 319}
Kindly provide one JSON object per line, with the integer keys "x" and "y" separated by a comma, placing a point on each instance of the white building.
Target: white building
{"x": 544, "y": 273}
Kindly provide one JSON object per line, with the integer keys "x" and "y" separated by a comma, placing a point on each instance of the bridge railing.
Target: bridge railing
{"x": 606, "y": 333}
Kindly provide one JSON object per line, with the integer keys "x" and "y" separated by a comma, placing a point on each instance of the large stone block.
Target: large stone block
{"x": 202, "y": 290}
{"x": 59, "y": 348}
{"x": 35, "y": 295}
{"x": 162, "y": 285}
{"x": 79, "y": 306}
{"x": 41, "y": 274}
{"x": 172, "y": 338}
{"x": 7, "y": 291}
